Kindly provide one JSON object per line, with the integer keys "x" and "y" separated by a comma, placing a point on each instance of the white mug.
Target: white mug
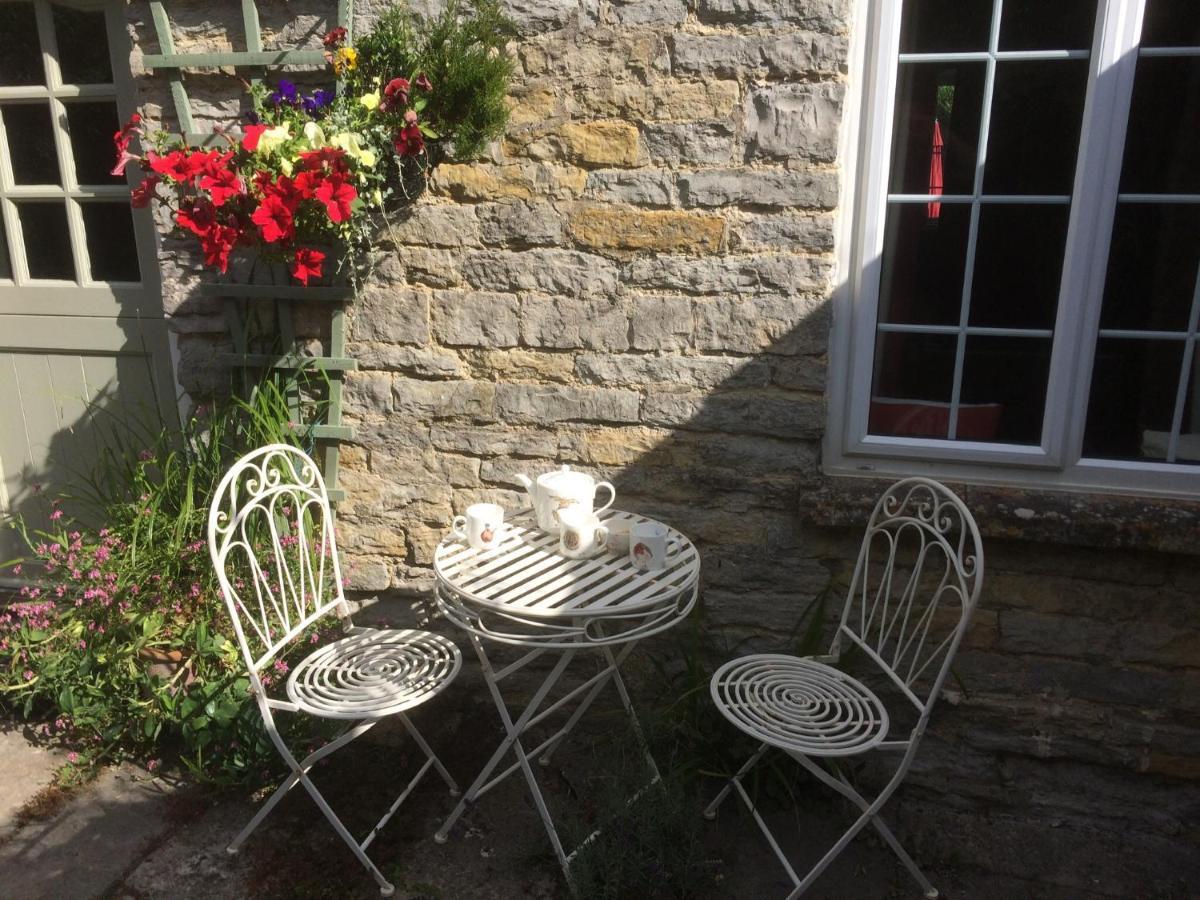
{"x": 648, "y": 546}
{"x": 618, "y": 534}
{"x": 581, "y": 533}
{"x": 480, "y": 527}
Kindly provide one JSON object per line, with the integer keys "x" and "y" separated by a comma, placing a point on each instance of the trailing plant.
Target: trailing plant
{"x": 121, "y": 640}
{"x": 315, "y": 170}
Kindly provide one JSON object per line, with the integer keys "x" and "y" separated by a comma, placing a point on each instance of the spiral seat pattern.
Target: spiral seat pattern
{"x": 373, "y": 673}
{"x": 799, "y": 705}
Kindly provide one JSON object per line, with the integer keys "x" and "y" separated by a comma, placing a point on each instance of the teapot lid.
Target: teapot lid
{"x": 564, "y": 477}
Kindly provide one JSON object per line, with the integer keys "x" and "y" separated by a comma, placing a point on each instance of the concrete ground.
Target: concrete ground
{"x": 131, "y": 835}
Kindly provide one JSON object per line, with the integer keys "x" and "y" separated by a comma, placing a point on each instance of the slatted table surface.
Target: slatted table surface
{"x": 526, "y": 575}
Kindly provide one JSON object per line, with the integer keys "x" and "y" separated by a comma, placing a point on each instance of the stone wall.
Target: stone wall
{"x": 635, "y": 281}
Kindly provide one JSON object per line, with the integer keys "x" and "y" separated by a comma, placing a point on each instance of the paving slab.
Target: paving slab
{"x": 26, "y": 770}
{"x": 84, "y": 849}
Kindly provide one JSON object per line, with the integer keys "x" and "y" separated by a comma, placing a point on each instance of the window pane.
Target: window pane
{"x": 30, "y": 133}
{"x": 47, "y": 240}
{"x": 1047, "y": 24}
{"x": 1162, "y": 144}
{"x": 910, "y": 396}
{"x": 953, "y": 95}
{"x": 923, "y": 263}
{"x": 92, "y": 126}
{"x": 21, "y": 61}
{"x": 1003, "y": 395}
{"x": 1188, "y": 448}
{"x": 112, "y": 249}
{"x": 1018, "y": 265}
{"x": 1037, "y": 109}
{"x": 82, "y": 46}
{"x": 934, "y": 26}
{"x": 1171, "y": 23}
{"x": 1134, "y": 383}
{"x": 1152, "y": 265}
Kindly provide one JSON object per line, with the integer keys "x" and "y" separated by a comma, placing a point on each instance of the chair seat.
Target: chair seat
{"x": 373, "y": 673}
{"x": 799, "y": 705}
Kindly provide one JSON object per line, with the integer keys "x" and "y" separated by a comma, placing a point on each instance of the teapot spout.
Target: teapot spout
{"x": 524, "y": 481}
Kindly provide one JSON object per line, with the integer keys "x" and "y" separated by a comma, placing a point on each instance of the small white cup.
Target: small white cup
{"x": 648, "y": 546}
{"x": 581, "y": 533}
{"x": 618, "y": 535}
{"x": 480, "y": 527}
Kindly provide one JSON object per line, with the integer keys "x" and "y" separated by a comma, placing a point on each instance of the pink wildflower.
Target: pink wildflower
{"x": 28, "y": 674}
{"x": 57, "y": 514}
{"x": 72, "y": 757}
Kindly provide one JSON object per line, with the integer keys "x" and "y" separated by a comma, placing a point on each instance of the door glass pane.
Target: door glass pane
{"x": 1018, "y": 264}
{"x": 1152, "y": 267}
{"x": 1134, "y": 385}
{"x": 1047, "y": 24}
{"x": 5, "y": 264}
{"x": 936, "y": 26}
{"x": 1162, "y": 153}
{"x": 910, "y": 396}
{"x": 924, "y": 258}
{"x": 1004, "y": 389}
{"x": 951, "y": 94}
{"x": 112, "y": 250}
{"x": 82, "y": 46}
{"x": 1187, "y": 449}
{"x": 21, "y": 61}
{"x": 1171, "y": 23}
{"x": 1034, "y": 134}
{"x": 91, "y": 126}
{"x": 47, "y": 240}
{"x": 30, "y": 133}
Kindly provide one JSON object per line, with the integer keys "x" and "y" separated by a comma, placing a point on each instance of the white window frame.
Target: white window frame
{"x": 866, "y": 138}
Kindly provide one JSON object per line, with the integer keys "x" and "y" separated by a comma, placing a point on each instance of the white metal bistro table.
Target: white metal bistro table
{"x": 524, "y": 593}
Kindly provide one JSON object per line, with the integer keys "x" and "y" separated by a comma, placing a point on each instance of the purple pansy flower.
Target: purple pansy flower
{"x": 284, "y": 94}
{"x": 317, "y": 100}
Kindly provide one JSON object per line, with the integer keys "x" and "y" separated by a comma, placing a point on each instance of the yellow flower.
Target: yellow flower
{"x": 345, "y": 60}
{"x": 314, "y": 135}
{"x": 354, "y": 146}
{"x": 370, "y": 101}
{"x": 274, "y": 138}
{"x": 285, "y": 166}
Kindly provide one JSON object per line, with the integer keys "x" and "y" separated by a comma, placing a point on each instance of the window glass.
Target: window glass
{"x": 1152, "y": 267}
{"x": 82, "y": 46}
{"x": 5, "y": 264}
{"x": 938, "y": 26}
{"x": 47, "y": 240}
{"x": 924, "y": 260}
{"x": 1162, "y": 153}
{"x": 1016, "y": 279}
{"x": 21, "y": 61}
{"x": 30, "y": 133}
{"x": 1003, "y": 389}
{"x": 91, "y": 126}
{"x": 1134, "y": 386}
{"x": 1047, "y": 24}
{"x": 1033, "y": 139}
{"x": 951, "y": 95}
{"x": 1171, "y": 23}
{"x": 112, "y": 250}
{"x": 914, "y": 376}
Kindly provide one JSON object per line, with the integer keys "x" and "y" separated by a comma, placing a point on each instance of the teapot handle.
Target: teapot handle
{"x": 612, "y": 495}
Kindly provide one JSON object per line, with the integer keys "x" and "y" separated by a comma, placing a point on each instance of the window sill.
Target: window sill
{"x": 1054, "y": 517}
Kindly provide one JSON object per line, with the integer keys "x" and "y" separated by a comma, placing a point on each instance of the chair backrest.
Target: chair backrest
{"x": 271, "y": 539}
{"x": 915, "y": 586}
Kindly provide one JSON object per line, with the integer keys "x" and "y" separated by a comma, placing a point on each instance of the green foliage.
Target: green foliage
{"x": 462, "y": 53}
{"x": 123, "y": 642}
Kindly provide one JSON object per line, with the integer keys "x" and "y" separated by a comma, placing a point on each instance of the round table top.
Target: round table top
{"x": 525, "y": 574}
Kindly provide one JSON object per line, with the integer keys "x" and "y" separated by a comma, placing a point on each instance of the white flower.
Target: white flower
{"x": 274, "y": 138}
{"x": 314, "y": 135}
{"x": 354, "y": 146}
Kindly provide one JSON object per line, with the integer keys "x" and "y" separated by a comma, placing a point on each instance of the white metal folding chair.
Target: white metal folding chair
{"x": 918, "y": 576}
{"x": 271, "y": 538}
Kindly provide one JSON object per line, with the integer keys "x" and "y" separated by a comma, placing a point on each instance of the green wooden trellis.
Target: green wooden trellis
{"x": 240, "y": 299}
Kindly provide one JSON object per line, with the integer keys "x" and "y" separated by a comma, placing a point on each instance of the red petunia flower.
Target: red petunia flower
{"x": 251, "y": 135}
{"x": 334, "y": 38}
{"x": 307, "y": 264}
{"x": 121, "y": 142}
{"x": 222, "y": 185}
{"x": 409, "y": 141}
{"x": 197, "y": 218}
{"x": 332, "y": 157}
{"x": 274, "y": 219}
{"x": 173, "y": 167}
{"x": 141, "y": 195}
{"x": 422, "y": 81}
{"x": 395, "y": 93}
{"x": 306, "y": 183}
{"x": 217, "y": 243}
{"x": 337, "y": 196}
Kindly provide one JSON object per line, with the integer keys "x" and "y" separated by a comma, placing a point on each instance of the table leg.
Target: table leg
{"x": 513, "y": 731}
{"x": 587, "y": 701}
{"x": 628, "y": 704}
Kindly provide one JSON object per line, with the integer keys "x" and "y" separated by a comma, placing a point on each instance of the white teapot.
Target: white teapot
{"x": 563, "y": 489}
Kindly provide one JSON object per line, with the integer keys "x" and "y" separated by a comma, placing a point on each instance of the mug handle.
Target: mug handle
{"x": 458, "y": 527}
{"x": 612, "y": 495}
{"x": 601, "y": 536}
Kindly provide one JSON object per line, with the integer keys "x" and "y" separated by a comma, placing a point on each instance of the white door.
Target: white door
{"x": 83, "y": 344}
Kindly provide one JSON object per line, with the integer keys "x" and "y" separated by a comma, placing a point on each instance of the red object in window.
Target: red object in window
{"x": 927, "y": 418}
{"x": 935, "y": 171}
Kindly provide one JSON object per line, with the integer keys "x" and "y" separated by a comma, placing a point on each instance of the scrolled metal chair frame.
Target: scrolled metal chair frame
{"x": 363, "y": 677}
{"x": 812, "y": 711}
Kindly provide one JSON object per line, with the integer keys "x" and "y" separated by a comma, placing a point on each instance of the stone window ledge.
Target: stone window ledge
{"x": 1053, "y": 517}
